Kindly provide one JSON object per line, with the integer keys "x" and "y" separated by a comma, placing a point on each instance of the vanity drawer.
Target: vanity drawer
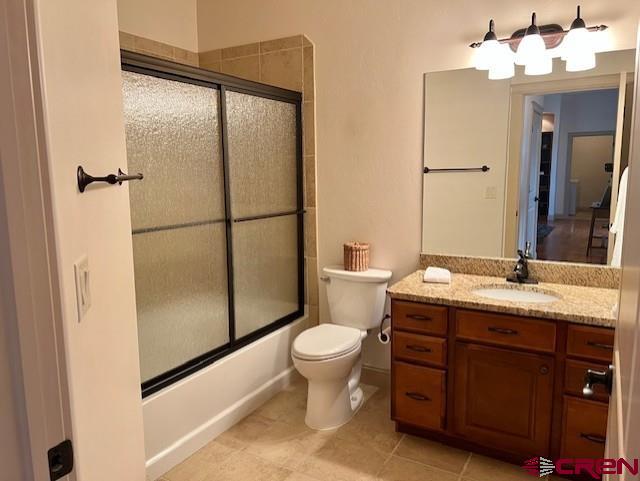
{"x": 590, "y": 342}
{"x": 574, "y": 379}
{"x": 506, "y": 330}
{"x": 423, "y": 318}
{"x": 584, "y": 429}
{"x": 419, "y": 395}
{"x": 419, "y": 348}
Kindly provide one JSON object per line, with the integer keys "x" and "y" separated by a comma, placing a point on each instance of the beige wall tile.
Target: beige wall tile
{"x": 314, "y": 315}
{"x": 210, "y": 56}
{"x": 282, "y": 68}
{"x": 281, "y": 44}
{"x": 127, "y": 41}
{"x": 312, "y": 280}
{"x": 152, "y": 47}
{"x": 310, "y": 232}
{"x": 244, "y": 67}
{"x": 213, "y": 66}
{"x": 241, "y": 51}
{"x": 310, "y": 181}
{"x": 308, "y": 128}
{"x": 185, "y": 56}
{"x": 308, "y": 83}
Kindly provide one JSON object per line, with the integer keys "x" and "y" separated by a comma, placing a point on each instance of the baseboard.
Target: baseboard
{"x": 375, "y": 376}
{"x": 196, "y": 439}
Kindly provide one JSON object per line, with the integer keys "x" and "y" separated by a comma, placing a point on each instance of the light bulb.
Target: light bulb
{"x": 540, "y": 65}
{"x": 581, "y": 62}
{"x": 531, "y": 49}
{"x": 502, "y": 66}
{"x": 485, "y": 54}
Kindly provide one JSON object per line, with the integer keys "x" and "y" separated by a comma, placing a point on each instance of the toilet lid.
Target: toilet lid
{"x": 326, "y": 341}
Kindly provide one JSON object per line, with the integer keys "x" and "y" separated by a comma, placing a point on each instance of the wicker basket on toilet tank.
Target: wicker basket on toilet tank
{"x": 356, "y": 256}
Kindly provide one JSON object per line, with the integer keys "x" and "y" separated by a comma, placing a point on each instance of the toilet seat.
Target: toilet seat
{"x": 326, "y": 341}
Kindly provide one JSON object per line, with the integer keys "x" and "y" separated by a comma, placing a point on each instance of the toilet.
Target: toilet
{"x": 328, "y": 355}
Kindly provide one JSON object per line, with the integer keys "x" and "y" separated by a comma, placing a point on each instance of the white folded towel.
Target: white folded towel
{"x": 617, "y": 227}
{"x": 437, "y": 275}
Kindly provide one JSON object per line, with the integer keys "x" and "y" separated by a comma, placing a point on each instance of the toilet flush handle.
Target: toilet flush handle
{"x": 325, "y": 278}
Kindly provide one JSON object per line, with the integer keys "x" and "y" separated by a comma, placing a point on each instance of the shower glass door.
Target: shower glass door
{"x": 217, "y": 221}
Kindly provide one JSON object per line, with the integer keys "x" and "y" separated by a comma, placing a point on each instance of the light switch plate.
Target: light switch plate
{"x": 83, "y": 287}
{"x": 490, "y": 192}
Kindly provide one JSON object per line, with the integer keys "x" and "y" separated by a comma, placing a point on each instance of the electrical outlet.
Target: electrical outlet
{"x": 83, "y": 288}
{"x": 490, "y": 192}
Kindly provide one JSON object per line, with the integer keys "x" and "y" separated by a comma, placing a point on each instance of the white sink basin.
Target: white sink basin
{"x": 515, "y": 295}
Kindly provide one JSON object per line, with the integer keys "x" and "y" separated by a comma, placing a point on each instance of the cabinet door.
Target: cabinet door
{"x": 503, "y": 398}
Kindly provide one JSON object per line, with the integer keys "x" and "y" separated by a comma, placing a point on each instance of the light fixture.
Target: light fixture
{"x": 577, "y": 48}
{"x": 532, "y": 48}
{"x": 502, "y": 66}
{"x": 536, "y": 48}
{"x": 487, "y": 50}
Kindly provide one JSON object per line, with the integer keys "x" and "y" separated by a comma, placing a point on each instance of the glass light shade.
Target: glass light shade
{"x": 580, "y": 62}
{"x": 540, "y": 65}
{"x": 485, "y": 54}
{"x": 577, "y": 42}
{"x": 531, "y": 48}
{"x": 502, "y": 67}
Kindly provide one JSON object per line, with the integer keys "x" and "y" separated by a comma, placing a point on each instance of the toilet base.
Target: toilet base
{"x": 331, "y": 405}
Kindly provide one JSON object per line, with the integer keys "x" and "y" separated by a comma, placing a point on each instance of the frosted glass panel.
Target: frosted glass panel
{"x": 265, "y": 271}
{"x": 173, "y": 138}
{"x": 181, "y": 295}
{"x": 262, "y": 154}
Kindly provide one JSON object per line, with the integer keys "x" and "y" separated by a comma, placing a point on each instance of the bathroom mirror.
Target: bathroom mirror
{"x": 555, "y": 146}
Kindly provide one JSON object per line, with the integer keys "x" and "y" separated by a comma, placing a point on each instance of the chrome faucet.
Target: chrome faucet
{"x": 521, "y": 270}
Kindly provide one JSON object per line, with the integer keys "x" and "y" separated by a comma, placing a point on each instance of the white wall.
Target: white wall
{"x": 581, "y": 112}
{"x": 168, "y": 21}
{"x": 83, "y": 124}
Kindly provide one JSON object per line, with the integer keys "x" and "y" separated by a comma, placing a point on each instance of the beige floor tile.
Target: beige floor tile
{"x": 300, "y": 477}
{"x": 243, "y": 466}
{"x": 432, "y": 453}
{"x": 287, "y": 445}
{"x": 398, "y": 469}
{"x": 372, "y": 429}
{"x": 240, "y": 435}
{"x": 288, "y": 406}
{"x": 379, "y": 401}
{"x": 200, "y": 464}
{"x": 481, "y": 468}
{"x": 340, "y": 460}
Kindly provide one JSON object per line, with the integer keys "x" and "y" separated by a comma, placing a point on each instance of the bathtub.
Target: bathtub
{"x": 185, "y": 416}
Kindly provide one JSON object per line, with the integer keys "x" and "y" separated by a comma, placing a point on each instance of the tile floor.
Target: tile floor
{"x": 274, "y": 444}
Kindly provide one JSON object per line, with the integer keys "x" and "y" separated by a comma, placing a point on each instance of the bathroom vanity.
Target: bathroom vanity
{"x": 502, "y": 378}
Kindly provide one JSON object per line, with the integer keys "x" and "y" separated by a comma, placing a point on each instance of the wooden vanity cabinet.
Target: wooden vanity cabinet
{"x": 502, "y": 385}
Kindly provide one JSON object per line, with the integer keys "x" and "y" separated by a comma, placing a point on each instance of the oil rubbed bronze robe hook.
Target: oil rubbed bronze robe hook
{"x": 85, "y": 179}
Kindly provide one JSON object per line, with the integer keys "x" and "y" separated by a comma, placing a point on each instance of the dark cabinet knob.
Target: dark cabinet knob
{"x": 544, "y": 369}
{"x": 597, "y": 377}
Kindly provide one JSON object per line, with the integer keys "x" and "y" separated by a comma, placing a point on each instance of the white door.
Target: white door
{"x": 623, "y": 432}
{"x": 76, "y": 81}
{"x": 533, "y": 178}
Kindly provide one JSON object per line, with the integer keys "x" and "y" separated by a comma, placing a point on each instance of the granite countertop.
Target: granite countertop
{"x": 584, "y": 305}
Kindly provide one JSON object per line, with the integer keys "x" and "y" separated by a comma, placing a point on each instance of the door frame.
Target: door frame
{"x": 31, "y": 304}
{"x": 525, "y": 180}
{"x": 516, "y": 125}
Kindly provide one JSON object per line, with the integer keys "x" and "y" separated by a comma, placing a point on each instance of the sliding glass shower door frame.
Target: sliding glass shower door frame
{"x": 143, "y": 64}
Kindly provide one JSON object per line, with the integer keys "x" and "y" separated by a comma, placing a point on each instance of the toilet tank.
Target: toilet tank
{"x": 356, "y": 299}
